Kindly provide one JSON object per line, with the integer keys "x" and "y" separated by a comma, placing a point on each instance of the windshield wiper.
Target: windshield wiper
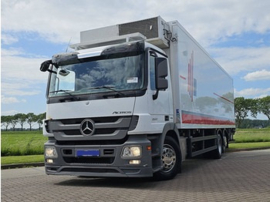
{"x": 111, "y": 88}
{"x": 67, "y": 92}
{"x": 105, "y": 87}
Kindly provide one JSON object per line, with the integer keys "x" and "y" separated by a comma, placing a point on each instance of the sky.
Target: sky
{"x": 235, "y": 33}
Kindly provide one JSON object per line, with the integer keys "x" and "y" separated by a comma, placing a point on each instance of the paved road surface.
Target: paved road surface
{"x": 238, "y": 176}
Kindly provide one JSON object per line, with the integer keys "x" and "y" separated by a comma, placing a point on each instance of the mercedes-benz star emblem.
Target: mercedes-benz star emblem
{"x": 87, "y": 127}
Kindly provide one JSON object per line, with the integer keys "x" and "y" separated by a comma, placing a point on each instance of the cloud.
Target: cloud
{"x": 11, "y": 52}
{"x": 20, "y": 75}
{"x": 15, "y": 66}
{"x": 8, "y": 100}
{"x": 8, "y": 39}
{"x": 22, "y": 92}
{"x": 258, "y": 75}
{"x": 17, "y": 87}
{"x": 9, "y": 112}
{"x": 252, "y": 92}
{"x": 207, "y": 20}
{"x": 237, "y": 59}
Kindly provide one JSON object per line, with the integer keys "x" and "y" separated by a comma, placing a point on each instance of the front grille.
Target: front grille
{"x": 97, "y": 131}
{"x": 89, "y": 170}
{"x": 89, "y": 160}
{"x": 92, "y": 142}
{"x": 105, "y": 128}
{"x": 96, "y": 120}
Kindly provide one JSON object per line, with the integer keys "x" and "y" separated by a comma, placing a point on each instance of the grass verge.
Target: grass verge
{"x": 19, "y": 143}
{"x": 252, "y": 135}
{"x": 248, "y": 145}
{"x": 22, "y": 159}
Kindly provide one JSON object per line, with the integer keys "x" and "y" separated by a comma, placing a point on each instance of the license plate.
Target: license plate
{"x": 85, "y": 153}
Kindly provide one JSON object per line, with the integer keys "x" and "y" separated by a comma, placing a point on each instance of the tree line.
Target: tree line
{"x": 22, "y": 119}
{"x": 254, "y": 123}
{"x": 245, "y": 107}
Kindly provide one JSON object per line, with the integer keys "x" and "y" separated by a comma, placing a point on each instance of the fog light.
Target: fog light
{"x": 135, "y": 162}
{"x": 49, "y": 160}
{"x": 50, "y": 152}
{"x": 131, "y": 151}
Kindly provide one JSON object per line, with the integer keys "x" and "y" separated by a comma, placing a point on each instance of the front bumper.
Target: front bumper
{"x": 108, "y": 164}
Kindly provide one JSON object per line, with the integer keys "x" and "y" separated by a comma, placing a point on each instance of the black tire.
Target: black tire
{"x": 171, "y": 159}
{"x": 217, "y": 153}
{"x": 227, "y": 146}
{"x": 227, "y": 138}
{"x": 224, "y": 143}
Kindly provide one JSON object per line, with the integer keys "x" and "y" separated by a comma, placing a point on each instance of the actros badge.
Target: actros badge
{"x": 87, "y": 127}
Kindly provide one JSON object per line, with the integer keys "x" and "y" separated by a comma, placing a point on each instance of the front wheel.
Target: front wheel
{"x": 171, "y": 160}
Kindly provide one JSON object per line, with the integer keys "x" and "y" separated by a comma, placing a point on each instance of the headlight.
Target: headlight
{"x": 50, "y": 152}
{"x": 131, "y": 151}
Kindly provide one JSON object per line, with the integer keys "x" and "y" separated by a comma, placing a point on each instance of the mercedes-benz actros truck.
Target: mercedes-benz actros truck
{"x": 135, "y": 100}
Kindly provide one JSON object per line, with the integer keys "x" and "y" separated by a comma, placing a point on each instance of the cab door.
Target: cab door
{"x": 159, "y": 101}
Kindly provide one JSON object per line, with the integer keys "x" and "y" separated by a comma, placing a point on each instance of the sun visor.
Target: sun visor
{"x": 134, "y": 47}
{"x": 65, "y": 58}
{"x": 125, "y": 49}
{"x": 93, "y": 52}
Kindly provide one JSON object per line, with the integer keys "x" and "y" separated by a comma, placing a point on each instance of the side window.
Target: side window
{"x": 152, "y": 73}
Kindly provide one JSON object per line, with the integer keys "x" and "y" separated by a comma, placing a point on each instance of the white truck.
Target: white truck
{"x": 135, "y": 100}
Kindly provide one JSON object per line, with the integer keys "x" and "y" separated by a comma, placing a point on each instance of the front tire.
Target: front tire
{"x": 171, "y": 160}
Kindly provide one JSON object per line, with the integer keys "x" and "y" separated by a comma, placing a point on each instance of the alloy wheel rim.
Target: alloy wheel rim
{"x": 168, "y": 158}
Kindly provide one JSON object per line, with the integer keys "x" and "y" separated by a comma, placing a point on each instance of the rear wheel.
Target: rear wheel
{"x": 225, "y": 143}
{"x": 171, "y": 160}
{"x": 218, "y": 151}
{"x": 227, "y": 138}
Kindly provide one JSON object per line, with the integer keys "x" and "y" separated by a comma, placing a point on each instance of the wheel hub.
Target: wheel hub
{"x": 168, "y": 158}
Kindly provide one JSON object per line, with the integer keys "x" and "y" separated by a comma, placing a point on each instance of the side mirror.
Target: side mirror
{"x": 161, "y": 72}
{"x": 45, "y": 65}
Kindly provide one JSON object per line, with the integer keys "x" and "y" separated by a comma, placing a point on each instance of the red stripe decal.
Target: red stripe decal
{"x": 200, "y": 119}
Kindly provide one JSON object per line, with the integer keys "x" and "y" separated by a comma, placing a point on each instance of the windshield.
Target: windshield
{"x": 98, "y": 76}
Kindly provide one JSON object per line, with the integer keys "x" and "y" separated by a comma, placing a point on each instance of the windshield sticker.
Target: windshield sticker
{"x": 132, "y": 80}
